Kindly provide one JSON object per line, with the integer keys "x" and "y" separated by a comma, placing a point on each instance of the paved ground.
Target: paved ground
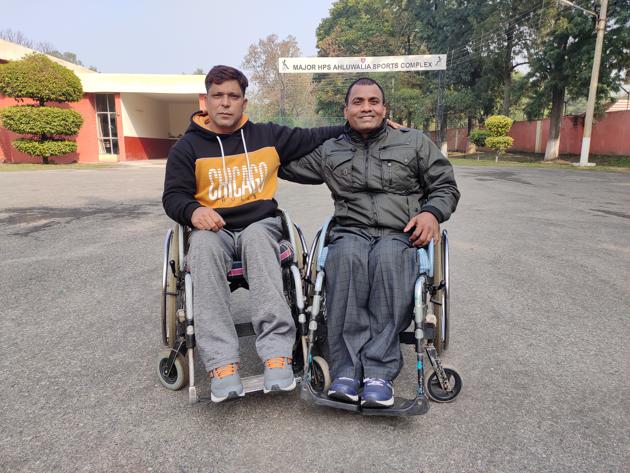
{"x": 541, "y": 306}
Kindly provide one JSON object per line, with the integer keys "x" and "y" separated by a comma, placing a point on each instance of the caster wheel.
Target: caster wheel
{"x": 320, "y": 375}
{"x": 178, "y": 377}
{"x": 434, "y": 389}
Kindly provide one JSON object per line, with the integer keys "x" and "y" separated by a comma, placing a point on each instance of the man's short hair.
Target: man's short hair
{"x": 219, "y": 74}
{"x": 363, "y": 81}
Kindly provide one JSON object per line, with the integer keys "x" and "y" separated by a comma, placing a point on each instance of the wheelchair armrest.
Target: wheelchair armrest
{"x": 426, "y": 257}
{"x": 322, "y": 251}
{"x": 289, "y": 229}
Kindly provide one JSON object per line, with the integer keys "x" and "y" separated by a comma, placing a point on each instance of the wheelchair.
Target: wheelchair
{"x": 175, "y": 363}
{"x": 429, "y": 335}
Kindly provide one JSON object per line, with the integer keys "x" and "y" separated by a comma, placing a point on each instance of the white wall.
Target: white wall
{"x": 144, "y": 117}
{"x": 179, "y": 117}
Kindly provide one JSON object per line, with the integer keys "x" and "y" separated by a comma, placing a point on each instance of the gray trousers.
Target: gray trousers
{"x": 369, "y": 301}
{"x": 210, "y": 258}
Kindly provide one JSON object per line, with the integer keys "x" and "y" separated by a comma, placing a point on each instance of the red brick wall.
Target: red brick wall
{"x": 611, "y": 135}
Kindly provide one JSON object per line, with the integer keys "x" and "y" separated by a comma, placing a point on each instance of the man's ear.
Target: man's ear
{"x": 244, "y": 104}
{"x": 345, "y": 112}
{"x": 205, "y": 102}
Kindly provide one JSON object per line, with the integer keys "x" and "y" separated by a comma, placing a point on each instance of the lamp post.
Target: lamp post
{"x": 592, "y": 92}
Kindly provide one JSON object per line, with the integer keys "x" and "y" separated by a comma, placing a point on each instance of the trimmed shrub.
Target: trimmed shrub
{"x": 45, "y": 149}
{"x": 38, "y": 78}
{"x": 478, "y": 137}
{"x": 30, "y": 120}
{"x": 499, "y": 125}
{"x": 499, "y": 143}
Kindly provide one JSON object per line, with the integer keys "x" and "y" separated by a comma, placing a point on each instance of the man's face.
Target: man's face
{"x": 365, "y": 110}
{"x": 225, "y": 104}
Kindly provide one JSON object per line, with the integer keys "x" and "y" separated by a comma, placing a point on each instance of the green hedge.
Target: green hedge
{"x": 30, "y": 120}
{"x": 45, "y": 149}
{"x": 478, "y": 137}
{"x": 41, "y": 79}
{"x": 499, "y": 125}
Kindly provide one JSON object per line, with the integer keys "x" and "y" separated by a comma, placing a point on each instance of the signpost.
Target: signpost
{"x": 310, "y": 65}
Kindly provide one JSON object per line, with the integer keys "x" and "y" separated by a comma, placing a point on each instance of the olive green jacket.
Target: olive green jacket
{"x": 383, "y": 181}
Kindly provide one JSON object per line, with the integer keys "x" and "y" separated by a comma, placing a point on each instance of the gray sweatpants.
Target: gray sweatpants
{"x": 369, "y": 301}
{"x": 210, "y": 258}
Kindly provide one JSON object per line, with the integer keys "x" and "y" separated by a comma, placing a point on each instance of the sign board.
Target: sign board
{"x": 310, "y": 65}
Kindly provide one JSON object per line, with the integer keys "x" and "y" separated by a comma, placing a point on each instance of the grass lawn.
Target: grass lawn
{"x": 4, "y": 167}
{"x": 604, "y": 163}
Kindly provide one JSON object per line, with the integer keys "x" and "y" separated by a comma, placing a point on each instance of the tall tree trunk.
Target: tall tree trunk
{"x": 555, "y": 120}
{"x": 507, "y": 73}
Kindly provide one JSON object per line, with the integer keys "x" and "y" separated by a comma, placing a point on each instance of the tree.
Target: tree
{"x": 372, "y": 28}
{"x": 38, "y": 78}
{"x": 562, "y": 61}
{"x": 282, "y": 97}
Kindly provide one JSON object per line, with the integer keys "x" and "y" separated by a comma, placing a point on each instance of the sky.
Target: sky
{"x": 161, "y": 36}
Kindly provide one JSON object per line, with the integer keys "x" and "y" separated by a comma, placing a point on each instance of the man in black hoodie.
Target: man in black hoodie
{"x": 221, "y": 179}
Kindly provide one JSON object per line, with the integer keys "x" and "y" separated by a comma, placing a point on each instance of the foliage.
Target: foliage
{"x": 38, "y": 78}
{"x": 499, "y": 143}
{"x": 499, "y": 125}
{"x": 45, "y": 149}
{"x": 283, "y": 97}
{"x": 478, "y": 137}
{"x": 30, "y": 120}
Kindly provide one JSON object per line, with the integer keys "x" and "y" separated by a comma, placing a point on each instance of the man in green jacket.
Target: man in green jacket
{"x": 391, "y": 188}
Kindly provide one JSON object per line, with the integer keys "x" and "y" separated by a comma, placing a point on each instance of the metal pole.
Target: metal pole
{"x": 590, "y": 106}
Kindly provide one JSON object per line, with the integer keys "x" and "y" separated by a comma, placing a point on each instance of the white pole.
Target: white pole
{"x": 590, "y": 106}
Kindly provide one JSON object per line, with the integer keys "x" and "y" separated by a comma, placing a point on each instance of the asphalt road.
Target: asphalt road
{"x": 540, "y": 274}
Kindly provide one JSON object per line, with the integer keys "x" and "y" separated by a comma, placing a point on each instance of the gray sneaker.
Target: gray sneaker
{"x": 225, "y": 383}
{"x": 278, "y": 375}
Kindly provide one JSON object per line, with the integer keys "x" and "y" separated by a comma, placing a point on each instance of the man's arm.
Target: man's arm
{"x": 438, "y": 179}
{"x": 306, "y": 170}
{"x": 293, "y": 143}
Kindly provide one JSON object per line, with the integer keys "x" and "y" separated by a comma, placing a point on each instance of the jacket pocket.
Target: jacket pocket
{"x": 398, "y": 170}
{"x": 339, "y": 169}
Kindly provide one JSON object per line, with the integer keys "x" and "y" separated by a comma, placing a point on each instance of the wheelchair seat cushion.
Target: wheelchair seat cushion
{"x": 286, "y": 257}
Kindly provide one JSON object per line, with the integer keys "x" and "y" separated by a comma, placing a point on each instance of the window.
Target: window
{"x": 106, "y": 124}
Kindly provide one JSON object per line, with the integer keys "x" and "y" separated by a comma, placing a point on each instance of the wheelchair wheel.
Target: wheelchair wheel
{"x": 178, "y": 377}
{"x": 320, "y": 375}
{"x": 434, "y": 389}
{"x": 169, "y": 288}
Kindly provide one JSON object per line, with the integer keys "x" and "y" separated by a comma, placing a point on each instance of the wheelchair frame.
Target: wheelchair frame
{"x": 178, "y": 333}
{"x": 430, "y": 334}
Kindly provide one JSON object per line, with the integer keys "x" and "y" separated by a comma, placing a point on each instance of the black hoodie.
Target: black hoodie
{"x": 235, "y": 174}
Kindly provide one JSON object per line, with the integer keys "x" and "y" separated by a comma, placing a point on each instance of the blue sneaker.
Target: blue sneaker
{"x": 377, "y": 393}
{"x": 344, "y": 389}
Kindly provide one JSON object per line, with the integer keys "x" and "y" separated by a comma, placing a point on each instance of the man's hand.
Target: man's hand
{"x": 427, "y": 229}
{"x": 393, "y": 125}
{"x": 205, "y": 218}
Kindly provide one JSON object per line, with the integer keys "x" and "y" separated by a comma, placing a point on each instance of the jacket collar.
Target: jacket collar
{"x": 374, "y": 135}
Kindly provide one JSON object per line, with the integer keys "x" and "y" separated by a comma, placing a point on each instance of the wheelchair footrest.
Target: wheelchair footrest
{"x": 401, "y": 407}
